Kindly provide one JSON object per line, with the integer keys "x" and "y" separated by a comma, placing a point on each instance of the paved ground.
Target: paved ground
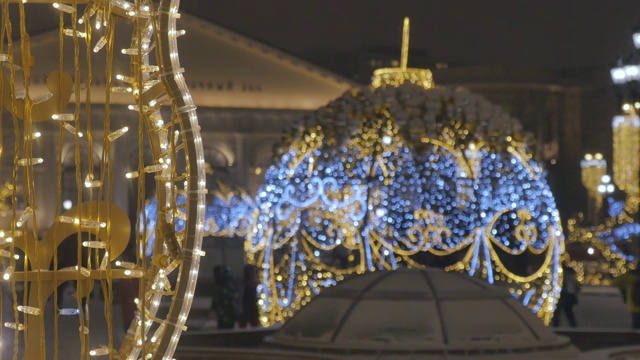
{"x": 601, "y": 315}
{"x": 602, "y": 321}
{"x": 600, "y": 308}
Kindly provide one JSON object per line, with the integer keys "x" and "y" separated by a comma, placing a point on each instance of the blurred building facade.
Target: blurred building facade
{"x": 249, "y": 94}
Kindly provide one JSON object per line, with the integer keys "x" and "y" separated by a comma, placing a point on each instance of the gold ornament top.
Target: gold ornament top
{"x": 398, "y": 76}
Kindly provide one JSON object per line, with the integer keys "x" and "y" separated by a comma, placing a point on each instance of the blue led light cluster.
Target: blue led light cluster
{"x": 228, "y": 213}
{"x": 353, "y": 191}
{"x": 613, "y": 238}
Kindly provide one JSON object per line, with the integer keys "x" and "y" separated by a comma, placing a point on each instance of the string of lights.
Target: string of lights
{"x": 606, "y": 238}
{"x": 155, "y": 83}
{"x": 228, "y": 213}
{"x": 626, "y": 147}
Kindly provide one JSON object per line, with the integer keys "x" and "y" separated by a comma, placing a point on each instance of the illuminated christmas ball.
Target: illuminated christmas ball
{"x": 405, "y": 176}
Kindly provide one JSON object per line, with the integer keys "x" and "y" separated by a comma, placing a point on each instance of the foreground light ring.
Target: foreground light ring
{"x": 176, "y": 166}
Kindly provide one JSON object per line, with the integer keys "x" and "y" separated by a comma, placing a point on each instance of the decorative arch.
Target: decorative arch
{"x": 219, "y": 155}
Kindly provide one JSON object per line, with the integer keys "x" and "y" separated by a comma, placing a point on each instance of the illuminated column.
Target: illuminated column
{"x": 626, "y": 149}
{"x": 593, "y": 168}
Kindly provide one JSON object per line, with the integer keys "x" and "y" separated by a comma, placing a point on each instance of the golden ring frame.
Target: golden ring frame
{"x": 184, "y": 255}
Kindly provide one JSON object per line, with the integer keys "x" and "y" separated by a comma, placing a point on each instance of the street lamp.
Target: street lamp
{"x": 618, "y": 75}
{"x": 626, "y": 73}
{"x": 605, "y": 187}
{"x": 593, "y": 168}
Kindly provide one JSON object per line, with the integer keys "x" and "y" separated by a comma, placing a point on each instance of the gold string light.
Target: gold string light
{"x": 397, "y": 76}
{"x": 626, "y": 155}
{"x": 593, "y": 167}
{"x": 599, "y": 271}
{"x": 155, "y": 82}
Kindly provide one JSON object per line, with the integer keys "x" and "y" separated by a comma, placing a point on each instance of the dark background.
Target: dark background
{"x": 575, "y": 40}
{"x": 549, "y": 33}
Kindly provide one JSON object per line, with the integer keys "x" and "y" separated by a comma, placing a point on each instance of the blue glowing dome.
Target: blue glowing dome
{"x": 405, "y": 177}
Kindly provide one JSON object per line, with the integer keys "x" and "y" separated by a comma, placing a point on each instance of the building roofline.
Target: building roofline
{"x": 264, "y": 48}
{"x": 270, "y": 50}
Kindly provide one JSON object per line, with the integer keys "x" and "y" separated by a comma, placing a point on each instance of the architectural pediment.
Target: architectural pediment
{"x": 223, "y": 69}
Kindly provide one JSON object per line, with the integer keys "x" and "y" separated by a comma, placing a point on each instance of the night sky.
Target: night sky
{"x": 547, "y": 33}
{"x": 583, "y": 38}
{"x": 541, "y": 33}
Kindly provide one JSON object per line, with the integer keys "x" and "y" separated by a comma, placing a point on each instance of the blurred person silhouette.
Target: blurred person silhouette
{"x": 629, "y": 285}
{"x": 568, "y": 297}
{"x": 67, "y": 257}
{"x": 225, "y": 296}
{"x": 250, "y": 313}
